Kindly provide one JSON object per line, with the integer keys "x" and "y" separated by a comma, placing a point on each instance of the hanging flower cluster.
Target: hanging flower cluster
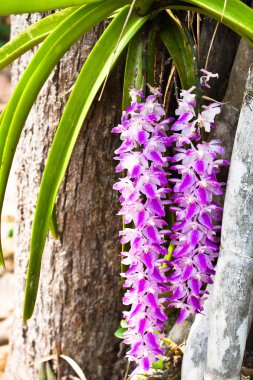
{"x": 152, "y": 281}
{"x": 143, "y": 198}
{"x": 195, "y": 232}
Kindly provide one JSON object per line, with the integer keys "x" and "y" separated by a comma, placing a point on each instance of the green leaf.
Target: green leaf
{"x": 120, "y": 333}
{"x": 31, "y": 36}
{"x": 133, "y": 76}
{"x": 42, "y": 372}
{"x": 175, "y": 40}
{"x": 158, "y": 364}
{"x": 9, "y": 7}
{"x": 53, "y": 225}
{"x": 143, "y": 7}
{"x": 49, "y": 372}
{"x": 74, "y": 366}
{"x": 4, "y": 30}
{"x": 84, "y": 91}
{"x": 123, "y": 323}
{"x": 237, "y": 16}
{"x": 36, "y": 73}
{"x": 151, "y": 50}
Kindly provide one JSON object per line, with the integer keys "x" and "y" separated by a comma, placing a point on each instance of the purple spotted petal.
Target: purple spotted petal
{"x": 199, "y": 166}
{"x": 142, "y": 284}
{"x": 125, "y": 147}
{"x": 182, "y": 251}
{"x": 152, "y": 234}
{"x": 195, "y": 285}
{"x": 157, "y": 275}
{"x": 192, "y": 209}
{"x": 152, "y": 300}
{"x": 147, "y": 259}
{"x": 202, "y": 195}
{"x": 160, "y": 315}
{"x": 156, "y": 157}
{"x": 184, "y": 313}
{"x": 187, "y": 181}
{"x": 156, "y": 206}
{"x": 201, "y": 261}
{"x": 142, "y": 137}
{"x": 188, "y": 272}
{"x": 142, "y": 325}
{"x": 141, "y": 219}
{"x": 194, "y": 237}
{"x": 145, "y": 363}
{"x": 206, "y": 220}
{"x": 194, "y": 301}
{"x": 135, "y": 172}
{"x": 149, "y": 190}
{"x": 135, "y": 348}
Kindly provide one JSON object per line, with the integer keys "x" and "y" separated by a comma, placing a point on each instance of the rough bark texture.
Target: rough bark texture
{"x": 179, "y": 332}
{"x": 194, "y": 359}
{"x": 226, "y": 129}
{"x": 228, "y": 119}
{"x": 222, "y": 54}
{"x": 233, "y": 281}
{"x": 78, "y": 306}
{"x": 225, "y": 44}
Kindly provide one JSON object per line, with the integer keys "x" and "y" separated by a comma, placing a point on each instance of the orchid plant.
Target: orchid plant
{"x": 153, "y": 282}
{"x": 146, "y": 189}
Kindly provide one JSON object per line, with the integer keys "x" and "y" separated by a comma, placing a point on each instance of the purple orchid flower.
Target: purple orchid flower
{"x": 151, "y": 282}
{"x": 196, "y": 229}
{"x": 142, "y": 156}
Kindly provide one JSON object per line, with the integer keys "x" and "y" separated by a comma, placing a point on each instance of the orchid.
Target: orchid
{"x": 151, "y": 281}
{"x": 143, "y": 200}
{"x": 196, "y": 229}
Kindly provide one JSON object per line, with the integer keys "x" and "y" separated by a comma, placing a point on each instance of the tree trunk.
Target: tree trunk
{"x": 233, "y": 281}
{"x": 194, "y": 359}
{"x": 78, "y": 306}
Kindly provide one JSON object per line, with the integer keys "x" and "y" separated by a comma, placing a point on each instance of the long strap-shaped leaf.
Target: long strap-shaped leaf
{"x": 9, "y": 7}
{"x": 88, "y": 83}
{"x": 179, "y": 48}
{"x": 237, "y": 15}
{"x": 48, "y": 55}
{"x": 31, "y": 36}
{"x": 133, "y": 76}
{"x": 151, "y": 51}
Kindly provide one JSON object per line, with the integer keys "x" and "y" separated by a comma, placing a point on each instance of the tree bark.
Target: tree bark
{"x": 194, "y": 359}
{"x": 233, "y": 282}
{"x": 226, "y": 129}
{"x": 78, "y": 306}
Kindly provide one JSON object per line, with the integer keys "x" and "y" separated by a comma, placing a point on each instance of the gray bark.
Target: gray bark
{"x": 194, "y": 359}
{"x": 230, "y": 111}
{"x": 223, "y": 54}
{"x": 226, "y": 129}
{"x": 179, "y": 332}
{"x": 78, "y": 306}
{"x": 225, "y": 44}
{"x": 233, "y": 281}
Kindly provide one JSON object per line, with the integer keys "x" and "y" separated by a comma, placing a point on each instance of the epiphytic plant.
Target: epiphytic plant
{"x": 135, "y": 26}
